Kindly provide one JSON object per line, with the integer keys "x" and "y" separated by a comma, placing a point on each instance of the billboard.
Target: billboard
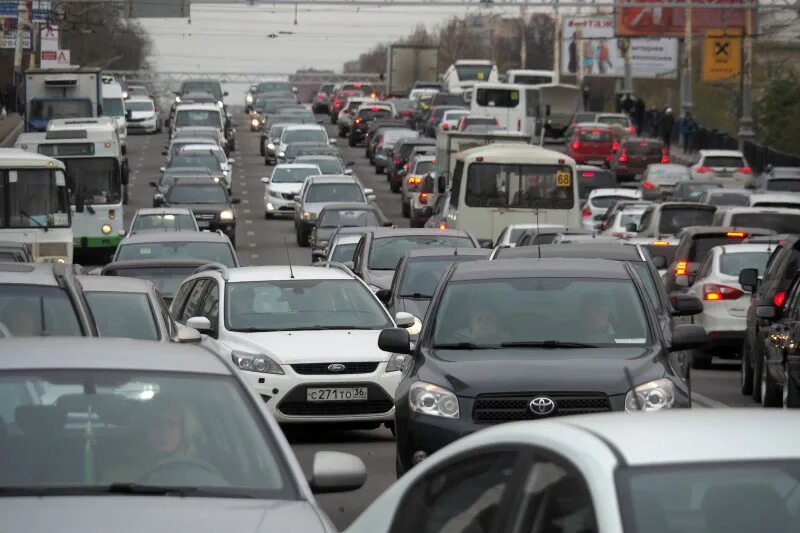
{"x": 650, "y": 57}
{"x": 638, "y": 21}
{"x": 38, "y": 10}
{"x": 8, "y": 35}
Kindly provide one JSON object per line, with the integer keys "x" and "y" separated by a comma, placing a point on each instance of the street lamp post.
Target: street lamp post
{"x": 746, "y": 132}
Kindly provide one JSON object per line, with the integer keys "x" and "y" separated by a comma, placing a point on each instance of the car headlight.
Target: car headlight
{"x": 220, "y": 104}
{"x": 271, "y": 146}
{"x": 225, "y": 172}
{"x": 430, "y": 399}
{"x": 106, "y": 229}
{"x": 255, "y": 122}
{"x": 652, "y": 396}
{"x": 256, "y": 362}
{"x": 396, "y": 362}
{"x": 274, "y": 194}
{"x": 249, "y": 98}
{"x": 308, "y": 215}
{"x": 281, "y": 154}
{"x": 177, "y": 99}
{"x": 226, "y": 215}
{"x": 322, "y": 244}
{"x": 415, "y": 328}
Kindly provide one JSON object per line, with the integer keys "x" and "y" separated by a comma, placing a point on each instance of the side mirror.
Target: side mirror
{"x": 686, "y": 305}
{"x": 682, "y": 281}
{"x": 200, "y": 323}
{"x": 348, "y": 172}
{"x": 349, "y": 264}
{"x": 164, "y": 153}
{"x": 128, "y": 114}
{"x": 388, "y": 224}
{"x": 236, "y": 200}
{"x": 154, "y": 185}
{"x": 441, "y": 184}
{"x": 384, "y": 295}
{"x": 631, "y": 227}
{"x": 225, "y": 93}
{"x": 162, "y": 169}
{"x": 748, "y": 279}
{"x": 485, "y": 243}
{"x": 317, "y": 255}
{"x": 231, "y": 161}
{"x": 187, "y": 335}
{"x": 265, "y": 179}
{"x": 158, "y": 199}
{"x": 395, "y": 340}
{"x": 336, "y": 472}
{"x": 350, "y": 163}
{"x": 659, "y": 261}
{"x": 767, "y": 312}
{"x": 687, "y": 337}
{"x": 403, "y": 319}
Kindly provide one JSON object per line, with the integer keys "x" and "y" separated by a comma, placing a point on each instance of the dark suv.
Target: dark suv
{"x": 635, "y": 154}
{"x": 362, "y": 120}
{"x": 209, "y": 201}
{"x": 401, "y": 154}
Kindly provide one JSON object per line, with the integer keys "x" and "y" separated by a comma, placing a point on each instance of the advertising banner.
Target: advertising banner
{"x": 8, "y": 35}
{"x": 659, "y": 21}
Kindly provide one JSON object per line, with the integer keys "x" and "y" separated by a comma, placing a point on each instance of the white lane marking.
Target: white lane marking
{"x": 245, "y": 201}
{"x": 254, "y": 256}
{"x": 251, "y": 233}
{"x": 252, "y": 245}
{"x": 244, "y": 192}
{"x": 246, "y": 210}
{"x": 248, "y": 221}
{"x": 705, "y": 401}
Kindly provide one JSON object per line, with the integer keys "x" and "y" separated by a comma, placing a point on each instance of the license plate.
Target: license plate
{"x": 338, "y": 394}
{"x": 595, "y": 162}
{"x": 203, "y": 223}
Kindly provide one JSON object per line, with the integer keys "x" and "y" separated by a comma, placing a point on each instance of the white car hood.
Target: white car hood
{"x": 143, "y": 114}
{"x": 334, "y": 346}
{"x": 285, "y": 187}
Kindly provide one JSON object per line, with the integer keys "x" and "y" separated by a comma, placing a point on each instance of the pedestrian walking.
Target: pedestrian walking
{"x": 652, "y": 117}
{"x": 688, "y": 129}
{"x": 638, "y": 116}
{"x": 665, "y": 126}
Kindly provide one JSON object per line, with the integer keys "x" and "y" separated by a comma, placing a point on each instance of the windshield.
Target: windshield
{"x": 210, "y": 87}
{"x": 177, "y": 145}
{"x": 569, "y": 310}
{"x": 208, "y": 161}
{"x": 644, "y": 148}
{"x": 717, "y": 161}
{"x": 273, "y": 86}
{"x": 123, "y": 314}
{"x": 327, "y": 165}
{"x": 332, "y": 218}
{"x": 387, "y": 251}
{"x": 525, "y": 186}
{"x": 33, "y": 311}
{"x": 197, "y": 194}
{"x": 533, "y": 79}
{"x": 693, "y": 191}
{"x": 166, "y": 279}
{"x": 423, "y": 167}
{"x": 292, "y": 174}
{"x": 788, "y": 185}
{"x": 673, "y": 219}
{"x": 33, "y": 198}
{"x": 728, "y": 199}
{"x": 96, "y": 180}
{"x": 292, "y": 136}
{"x": 667, "y": 251}
{"x": 140, "y": 106}
{"x": 170, "y": 176}
{"x": 302, "y": 305}
{"x": 343, "y": 252}
{"x": 334, "y": 192}
{"x": 216, "y": 252}
{"x": 727, "y": 496}
{"x": 59, "y": 108}
{"x": 392, "y": 136}
{"x": 473, "y": 72}
{"x": 421, "y": 277}
{"x": 780, "y": 222}
{"x": 626, "y": 217}
{"x": 113, "y": 107}
{"x": 146, "y": 429}
{"x": 275, "y": 132}
{"x": 158, "y": 222}
{"x": 201, "y": 117}
{"x": 733, "y": 263}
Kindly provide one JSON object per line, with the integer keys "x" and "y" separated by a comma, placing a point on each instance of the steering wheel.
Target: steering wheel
{"x": 184, "y": 464}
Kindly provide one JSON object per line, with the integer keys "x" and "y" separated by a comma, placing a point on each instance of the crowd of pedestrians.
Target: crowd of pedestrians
{"x": 660, "y": 123}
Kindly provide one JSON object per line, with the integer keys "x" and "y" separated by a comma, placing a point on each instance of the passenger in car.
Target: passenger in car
{"x": 597, "y": 318}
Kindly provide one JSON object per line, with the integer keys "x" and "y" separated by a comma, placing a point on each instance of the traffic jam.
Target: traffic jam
{"x": 510, "y": 293}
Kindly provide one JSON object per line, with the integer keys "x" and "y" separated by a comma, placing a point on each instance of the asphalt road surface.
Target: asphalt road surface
{"x": 267, "y": 242}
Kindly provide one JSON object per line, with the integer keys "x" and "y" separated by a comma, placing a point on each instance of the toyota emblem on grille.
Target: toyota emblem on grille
{"x": 542, "y": 405}
{"x": 336, "y": 367}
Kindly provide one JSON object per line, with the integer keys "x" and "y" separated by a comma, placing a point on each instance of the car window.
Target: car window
{"x": 387, "y": 251}
{"x": 123, "y": 314}
{"x": 643, "y": 148}
{"x": 461, "y": 497}
{"x": 197, "y": 194}
{"x": 735, "y": 199}
{"x": 334, "y": 192}
{"x": 179, "y": 302}
{"x": 604, "y": 202}
{"x": 33, "y": 311}
{"x": 343, "y": 252}
{"x": 511, "y": 185}
{"x": 420, "y": 278}
{"x": 701, "y": 245}
{"x": 159, "y": 222}
{"x": 718, "y": 161}
{"x": 332, "y": 218}
{"x": 780, "y": 222}
{"x": 210, "y": 307}
{"x": 292, "y": 174}
{"x": 673, "y": 219}
{"x": 595, "y": 136}
{"x": 788, "y": 185}
{"x": 733, "y": 263}
{"x": 194, "y": 303}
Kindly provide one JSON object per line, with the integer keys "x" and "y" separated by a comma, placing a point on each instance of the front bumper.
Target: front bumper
{"x": 285, "y": 395}
{"x": 724, "y": 331}
{"x": 107, "y": 241}
{"x": 276, "y": 206}
{"x": 146, "y": 126}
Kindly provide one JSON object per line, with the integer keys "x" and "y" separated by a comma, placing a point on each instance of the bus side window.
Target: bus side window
{"x": 457, "y": 178}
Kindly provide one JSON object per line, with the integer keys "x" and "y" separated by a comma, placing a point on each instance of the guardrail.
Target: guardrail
{"x": 757, "y": 155}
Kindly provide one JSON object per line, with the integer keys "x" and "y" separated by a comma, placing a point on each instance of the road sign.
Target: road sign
{"x": 48, "y": 38}
{"x": 54, "y": 59}
{"x": 722, "y": 54}
{"x": 660, "y": 20}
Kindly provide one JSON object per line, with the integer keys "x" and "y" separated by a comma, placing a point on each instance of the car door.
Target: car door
{"x": 209, "y": 308}
{"x": 779, "y": 333}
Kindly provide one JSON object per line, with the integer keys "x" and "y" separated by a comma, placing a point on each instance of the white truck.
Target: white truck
{"x": 61, "y": 93}
{"x": 406, "y": 64}
{"x": 557, "y": 104}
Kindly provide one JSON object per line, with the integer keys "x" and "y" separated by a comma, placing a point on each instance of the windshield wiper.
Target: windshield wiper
{"x": 416, "y": 295}
{"x": 134, "y": 489}
{"x": 26, "y": 215}
{"x": 464, "y": 346}
{"x": 322, "y": 328}
{"x": 546, "y": 344}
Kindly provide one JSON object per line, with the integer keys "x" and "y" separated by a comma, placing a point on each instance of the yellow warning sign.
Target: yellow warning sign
{"x": 722, "y": 54}
{"x": 563, "y": 178}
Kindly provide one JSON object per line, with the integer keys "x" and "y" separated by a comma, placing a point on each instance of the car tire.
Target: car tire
{"x": 791, "y": 391}
{"x": 406, "y": 209}
{"x": 261, "y": 150}
{"x": 769, "y": 393}
{"x": 701, "y": 360}
{"x": 378, "y": 170}
{"x": 268, "y": 215}
{"x": 394, "y": 187}
{"x": 300, "y": 238}
{"x": 351, "y": 142}
{"x": 757, "y": 362}
{"x": 746, "y": 373}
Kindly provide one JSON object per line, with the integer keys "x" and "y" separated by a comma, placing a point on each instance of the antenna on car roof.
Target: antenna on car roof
{"x": 289, "y": 257}
{"x": 538, "y": 240}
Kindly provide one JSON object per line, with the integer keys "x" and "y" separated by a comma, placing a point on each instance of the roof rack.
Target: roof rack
{"x": 333, "y": 264}
{"x": 215, "y": 267}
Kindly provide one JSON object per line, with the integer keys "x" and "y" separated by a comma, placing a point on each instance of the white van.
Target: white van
{"x": 501, "y": 184}
{"x": 114, "y": 106}
{"x": 779, "y": 219}
{"x": 464, "y": 73}
{"x": 530, "y": 77}
{"x": 516, "y": 107}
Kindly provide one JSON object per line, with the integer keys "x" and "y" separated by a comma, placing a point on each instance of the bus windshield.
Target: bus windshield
{"x": 60, "y": 108}
{"x": 32, "y": 198}
{"x": 96, "y": 180}
{"x": 500, "y": 185}
{"x": 473, "y": 72}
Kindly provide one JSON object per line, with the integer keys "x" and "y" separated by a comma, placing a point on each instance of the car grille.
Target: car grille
{"x": 204, "y": 217}
{"x": 288, "y": 195}
{"x": 493, "y": 408}
{"x": 295, "y": 404}
{"x": 137, "y": 119}
{"x": 322, "y": 368}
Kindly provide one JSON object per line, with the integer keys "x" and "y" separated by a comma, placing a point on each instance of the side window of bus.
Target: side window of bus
{"x": 457, "y": 178}
{"x": 531, "y": 103}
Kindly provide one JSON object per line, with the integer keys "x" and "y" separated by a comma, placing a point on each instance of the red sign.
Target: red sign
{"x": 660, "y": 21}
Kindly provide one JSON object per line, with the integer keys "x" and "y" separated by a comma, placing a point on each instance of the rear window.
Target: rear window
{"x": 723, "y": 162}
{"x": 702, "y": 244}
{"x": 667, "y": 251}
{"x": 595, "y": 136}
{"x": 604, "y": 202}
{"x": 643, "y": 148}
{"x": 497, "y": 97}
{"x": 790, "y": 185}
{"x": 370, "y": 114}
{"x": 780, "y": 222}
{"x": 673, "y": 219}
{"x": 732, "y": 264}
{"x": 595, "y": 179}
{"x": 524, "y": 186}
{"x": 123, "y": 314}
{"x": 447, "y": 99}
{"x": 612, "y": 120}
{"x": 729, "y": 199}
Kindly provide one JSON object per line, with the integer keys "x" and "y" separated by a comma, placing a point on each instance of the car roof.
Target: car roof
{"x": 284, "y": 273}
{"x": 341, "y": 206}
{"x": 619, "y": 191}
{"x": 592, "y": 125}
{"x": 193, "y": 140}
{"x": 154, "y": 263}
{"x": 577, "y": 251}
{"x": 108, "y": 354}
{"x": 778, "y": 196}
{"x": 744, "y": 248}
{"x": 138, "y": 97}
{"x": 379, "y": 233}
{"x": 332, "y": 178}
{"x": 27, "y": 274}
{"x": 735, "y": 153}
{"x": 174, "y": 236}
{"x": 691, "y": 231}
{"x": 163, "y": 211}
{"x": 115, "y": 284}
{"x": 441, "y": 252}
{"x": 539, "y": 268}
{"x": 295, "y": 165}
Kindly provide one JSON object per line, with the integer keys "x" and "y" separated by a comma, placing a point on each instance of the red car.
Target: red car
{"x": 635, "y": 154}
{"x": 338, "y": 102}
{"x": 592, "y": 144}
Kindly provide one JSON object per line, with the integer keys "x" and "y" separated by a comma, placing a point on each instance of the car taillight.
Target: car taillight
{"x": 647, "y": 185}
{"x": 615, "y": 146}
{"x": 319, "y": 98}
{"x": 414, "y": 180}
{"x": 587, "y": 174}
{"x": 631, "y": 129}
{"x": 736, "y": 234}
{"x": 746, "y": 170}
{"x": 779, "y": 298}
{"x": 681, "y": 268}
{"x": 623, "y": 157}
{"x": 576, "y": 145}
{"x": 357, "y": 121}
{"x": 423, "y": 198}
{"x": 586, "y": 213}
{"x": 405, "y": 112}
{"x": 665, "y": 159}
{"x": 398, "y": 162}
{"x": 443, "y": 225}
{"x": 445, "y": 127}
{"x": 408, "y": 166}
{"x": 703, "y": 170}
{"x": 714, "y": 291}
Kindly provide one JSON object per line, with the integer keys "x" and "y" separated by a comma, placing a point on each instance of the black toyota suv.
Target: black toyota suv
{"x": 209, "y": 201}
{"x": 580, "y": 336}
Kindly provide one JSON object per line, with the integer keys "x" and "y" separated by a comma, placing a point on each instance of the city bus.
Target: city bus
{"x": 97, "y": 176}
{"x": 500, "y": 184}
{"x": 34, "y": 205}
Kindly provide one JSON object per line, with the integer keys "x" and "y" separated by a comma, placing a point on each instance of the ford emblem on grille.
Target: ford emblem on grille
{"x": 541, "y": 405}
{"x": 336, "y": 367}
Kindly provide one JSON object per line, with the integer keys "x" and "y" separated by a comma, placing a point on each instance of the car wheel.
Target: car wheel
{"x": 406, "y": 210}
{"x": 351, "y": 142}
{"x": 769, "y": 392}
{"x": 378, "y": 170}
{"x": 757, "y": 370}
{"x": 301, "y": 240}
{"x": 746, "y": 372}
{"x": 261, "y": 150}
{"x": 791, "y": 391}
{"x": 394, "y": 187}
{"x": 701, "y": 359}
{"x": 268, "y": 215}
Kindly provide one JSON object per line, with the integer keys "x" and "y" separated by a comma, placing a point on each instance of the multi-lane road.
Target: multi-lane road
{"x": 265, "y": 242}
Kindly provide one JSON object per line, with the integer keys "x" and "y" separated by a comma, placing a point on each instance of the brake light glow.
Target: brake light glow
{"x": 647, "y": 185}
{"x": 681, "y": 268}
{"x": 736, "y": 234}
{"x": 587, "y": 174}
{"x": 423, "y": 198}
{"x": 357, "y": 121}
{"x": 703, "y": 170}
{"x": 746, "y": 170}
{"x": 631, "y": 129}
{"x": 615, "y": 146}
{"x": 586, "y": 213}
{"x": 445, "y": 126}
{"x": 623, "y": 157}
{"x": 576, "y": 145}
{"x": 443, "y": 225}
{"x": 665, "y": 159}
{"x": 375, "y": 108}
{"x": 660, "y": 243}
{"x": 398, "y": 161}
{"x": 714, "y": 291}
{"x": 357, "y": 84}
{"x": 414, "y": 180}
{"x": 779, "y": 298}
